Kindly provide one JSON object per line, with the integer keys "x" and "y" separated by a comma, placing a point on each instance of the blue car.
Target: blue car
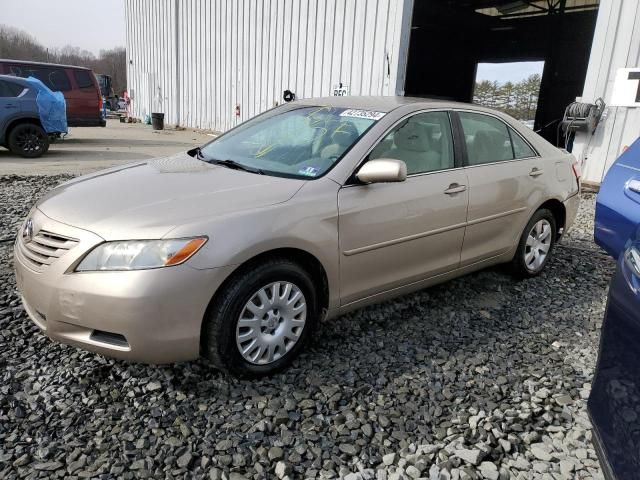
{"x": 31, "y": 115}
{"x": 614, "y": 403}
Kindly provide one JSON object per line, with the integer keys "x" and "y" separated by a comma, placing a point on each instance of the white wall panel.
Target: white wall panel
{"x": 195, "y": 60}
{"x": 151, "y": 57}
{"x": 616, "y": 44}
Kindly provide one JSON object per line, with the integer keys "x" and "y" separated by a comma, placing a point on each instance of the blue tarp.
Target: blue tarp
{"x": 51, "y": 107}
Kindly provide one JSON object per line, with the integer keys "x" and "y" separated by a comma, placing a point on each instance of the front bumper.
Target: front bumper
{"x": 98, "y": 121}
{"x": 614, "y": 401}
{"x": 605, "y": 466}
{"x": 150, "y": 316}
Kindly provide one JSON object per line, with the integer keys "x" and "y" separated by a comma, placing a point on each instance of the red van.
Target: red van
{"x": 78, "y": 85}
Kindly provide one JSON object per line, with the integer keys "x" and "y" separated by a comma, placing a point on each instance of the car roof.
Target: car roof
{"x": 389, "y": 103}
{"x": 378, "y": 103}
{"x": 43, "y": 64}
{"x": 14, "y": 79}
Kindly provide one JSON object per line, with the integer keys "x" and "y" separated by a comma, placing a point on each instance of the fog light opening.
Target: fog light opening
{"x": 109, "y": 338}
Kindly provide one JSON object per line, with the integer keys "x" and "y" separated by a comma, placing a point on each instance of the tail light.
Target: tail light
{"x": 100, "y": 103}
{"x": 577, "y": 171}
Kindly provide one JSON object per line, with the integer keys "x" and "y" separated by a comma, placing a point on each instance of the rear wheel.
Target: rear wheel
{"x": 536, "y": 244}
{"x": 28, "y": 140}
{"x": 262, "y": 319}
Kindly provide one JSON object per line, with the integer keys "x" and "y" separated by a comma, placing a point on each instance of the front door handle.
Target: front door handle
{"x": 535, "y": 172}
{"x": 10, "y": 105}
{"x": 634, "y": 185}
{"x": 455, "y": 188}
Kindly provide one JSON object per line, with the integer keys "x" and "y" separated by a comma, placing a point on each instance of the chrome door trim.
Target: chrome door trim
{"x": 407, "y": 238}
{"x": 415, "y": 236}
{"x": 496, "y": 215}
{"x": 498, "y": 162}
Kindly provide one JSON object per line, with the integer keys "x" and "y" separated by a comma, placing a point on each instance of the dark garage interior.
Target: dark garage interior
{"x": 450, "y": 37}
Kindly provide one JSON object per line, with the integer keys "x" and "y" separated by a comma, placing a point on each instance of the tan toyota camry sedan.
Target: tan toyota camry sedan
{"x": 236, "y": 250}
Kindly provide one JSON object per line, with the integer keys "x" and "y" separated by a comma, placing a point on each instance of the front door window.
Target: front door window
{"x": 422, "y": 141}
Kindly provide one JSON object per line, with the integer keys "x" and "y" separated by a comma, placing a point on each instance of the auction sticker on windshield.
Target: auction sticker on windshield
{"x": 309, "y": 171}
{"x": 368, "y": 114}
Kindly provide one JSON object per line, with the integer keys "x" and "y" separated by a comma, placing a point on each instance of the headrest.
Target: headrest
{"x": 345, "y": 134}
{"x": 489, "y": 145}
{"x": 413, "y": 136}
{"x": 490, "y": 137}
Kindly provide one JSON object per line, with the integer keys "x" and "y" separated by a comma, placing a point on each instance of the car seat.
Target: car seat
{"x": 343, "y": 136}
{"x": 488, "y": 146}
{"x": 412, "y": 144}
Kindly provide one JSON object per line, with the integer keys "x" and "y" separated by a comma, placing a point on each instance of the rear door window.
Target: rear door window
{"x": 83, "y": 78}
{"x": 8, "y": 89}
{"x": 487, "y": 138}
{"x": 54, "y": 78}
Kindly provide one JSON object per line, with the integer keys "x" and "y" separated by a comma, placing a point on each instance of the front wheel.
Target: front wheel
{"x": 28, "y": 140}
{"x": 536, "y": 245}
{"x": 261, "y": 320}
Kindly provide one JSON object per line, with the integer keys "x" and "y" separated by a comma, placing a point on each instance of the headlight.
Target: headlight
{"x": 632, "y": 257}
{"x": 140, "y": 254}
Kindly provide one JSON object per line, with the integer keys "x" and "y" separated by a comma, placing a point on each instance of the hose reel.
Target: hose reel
{"x": 580, "y": 116}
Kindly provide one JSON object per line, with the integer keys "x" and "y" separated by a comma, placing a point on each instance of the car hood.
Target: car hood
{"x": 148, "y": 199}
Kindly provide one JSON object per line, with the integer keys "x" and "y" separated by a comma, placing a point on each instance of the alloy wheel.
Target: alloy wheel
{"x": 30, "y": 140}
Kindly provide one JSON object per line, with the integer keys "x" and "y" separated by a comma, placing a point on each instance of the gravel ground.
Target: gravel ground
{"x": 482, "y": 377}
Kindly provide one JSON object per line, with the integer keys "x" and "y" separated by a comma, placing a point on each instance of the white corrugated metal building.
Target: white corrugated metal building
{"x": 616, "y": 45}
{"x": 197, "y": 60}
{"x": 211, "y": 64}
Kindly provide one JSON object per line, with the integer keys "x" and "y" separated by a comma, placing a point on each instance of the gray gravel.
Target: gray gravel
{"x": 482, "y": 377}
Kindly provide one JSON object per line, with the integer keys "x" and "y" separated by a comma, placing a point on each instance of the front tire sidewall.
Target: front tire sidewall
{"x": 220, "y": 331}
{"x": 519, "y": 265}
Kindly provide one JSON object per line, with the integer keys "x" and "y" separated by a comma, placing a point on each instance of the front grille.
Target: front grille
{"x": 45, "y": 248}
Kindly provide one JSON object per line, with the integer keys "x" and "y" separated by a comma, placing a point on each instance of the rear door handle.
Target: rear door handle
{"x": 455, "y": 188}
{"x": 10, "y": 105}
{"x": 535, "y": 172}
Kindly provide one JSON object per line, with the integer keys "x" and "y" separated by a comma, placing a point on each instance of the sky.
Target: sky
{"x": 92, "y": 25}
{"x": 505, "y": 72}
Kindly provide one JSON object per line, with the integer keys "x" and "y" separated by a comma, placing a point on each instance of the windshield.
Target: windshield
{"x": 303, "y": 142}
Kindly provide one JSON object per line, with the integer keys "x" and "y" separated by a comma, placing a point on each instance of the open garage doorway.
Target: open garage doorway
{"x": 449, "y": 38}
{"x": 511, "y": 87}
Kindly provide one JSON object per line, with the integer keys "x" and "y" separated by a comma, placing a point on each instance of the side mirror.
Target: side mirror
{"x": 382, "y": 170}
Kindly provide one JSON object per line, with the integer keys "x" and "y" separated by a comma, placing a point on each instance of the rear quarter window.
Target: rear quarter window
{"x": 54, "y": 78}
{"x": 521, "y": 149}
{"x": 83, "y": 78}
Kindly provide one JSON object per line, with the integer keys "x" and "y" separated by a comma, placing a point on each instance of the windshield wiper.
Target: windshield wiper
{"x": 197, "y": 152}
{"x": 237, "y": 166}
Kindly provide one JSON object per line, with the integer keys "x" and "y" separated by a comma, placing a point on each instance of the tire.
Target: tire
{"x": 225, "y": 333}
{"x": 539, "y": 234}
{"x": 28, "y": 140}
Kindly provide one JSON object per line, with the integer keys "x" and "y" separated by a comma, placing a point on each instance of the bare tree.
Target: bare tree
{"x": 18, "y": 45}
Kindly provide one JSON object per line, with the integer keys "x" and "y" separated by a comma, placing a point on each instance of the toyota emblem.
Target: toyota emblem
{"x": 27, "y": 231}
